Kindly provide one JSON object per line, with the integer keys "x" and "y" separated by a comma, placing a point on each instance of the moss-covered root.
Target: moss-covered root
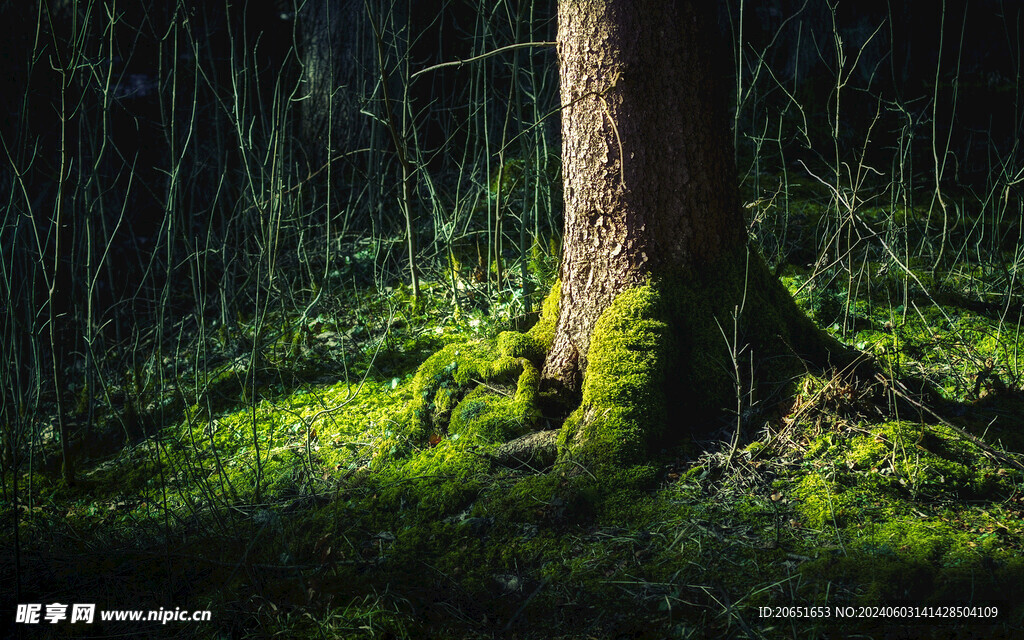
{"x": 544, "y": 331}
{"x": 463, "y": 390}
{"x": 623, "y": 403}
{"x": 737, "y": 309}
{"x": 661, "y": 357}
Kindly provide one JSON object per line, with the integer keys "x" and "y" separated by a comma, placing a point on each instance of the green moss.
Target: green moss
{"x": 817, "y": 501}
{"x": 465, "y": 389}
{"x": 528, "y": 499}
{"x": 513, "y": 344}
{"x": 436, "y": 481}
{"x": 496, "y": 417}
{"x": 544, "y": 331}
{"x": 623, "y": 403}
{"x": 865, "y": 476}
{"x": 628, "y": 502}
{"x": 932, "y": 459}
{"x": 443, "y": 380}
{"x": 754, "y": 448}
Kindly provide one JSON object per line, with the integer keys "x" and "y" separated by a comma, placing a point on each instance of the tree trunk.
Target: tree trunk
{"x": 652, "y": 210}
{"x": 646, "y": 159}
{"x": 329, "y": 32}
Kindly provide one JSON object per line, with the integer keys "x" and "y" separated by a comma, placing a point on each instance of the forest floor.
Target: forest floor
{"x": 270, "y": 475}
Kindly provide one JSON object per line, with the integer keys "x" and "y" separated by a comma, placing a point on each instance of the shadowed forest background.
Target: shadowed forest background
{"x": 233, "y": 232}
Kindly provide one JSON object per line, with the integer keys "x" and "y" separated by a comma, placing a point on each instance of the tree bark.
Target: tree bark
{"x": 329, "y": 31}
{"x": 647, "y": 162}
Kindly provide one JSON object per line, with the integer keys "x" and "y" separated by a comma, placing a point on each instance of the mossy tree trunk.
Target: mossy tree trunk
{"x": 652, "y": 210}
{"x": 647, "y": 161}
